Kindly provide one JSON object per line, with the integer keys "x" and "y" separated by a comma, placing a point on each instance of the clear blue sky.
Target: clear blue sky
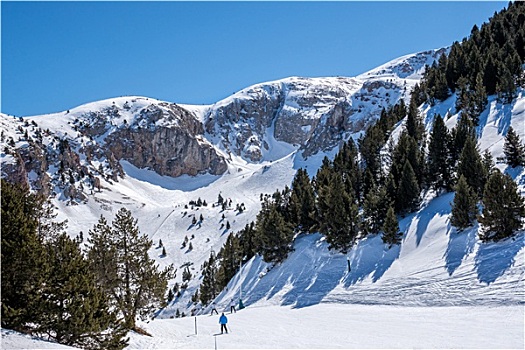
{"x": 58, "y": 55}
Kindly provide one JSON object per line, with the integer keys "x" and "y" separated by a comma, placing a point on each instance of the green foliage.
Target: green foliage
{"x": 503, "y": 208}
{"x": 274, "y": 233}
{"x": 471, "y": 166}
{"x": 513, "y": 149}
{"x": 131, "y": 278}
{"x": 488, "y": 62}
{"x": 439, "y": 163}
{"x": 24, "y": 268}
{"x": 339, "y": 214}
{"x": 231, "y": 257}
{"x": 209, "y": 287}
{"x": 375, "y": 208}
{"x": 48, "y": 287}
{"x": 302, "y": 201}
{"x": 407, "y": 197}
{"x": 464, "y": 209}
{"x": 77, "y": 311}
{"x": 391, "y": 234}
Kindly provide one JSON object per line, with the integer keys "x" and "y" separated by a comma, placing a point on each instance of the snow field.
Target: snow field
{"x": 330, "y": 326}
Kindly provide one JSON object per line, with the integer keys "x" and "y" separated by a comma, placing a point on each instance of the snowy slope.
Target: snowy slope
{"x": 436, "y": 280}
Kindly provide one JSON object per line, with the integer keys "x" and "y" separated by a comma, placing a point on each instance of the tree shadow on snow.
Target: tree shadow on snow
{"x": 373, "y": 258}
{"x": 437, "y": 206}
{"x": 460, "y": 245}
{"x": 493, "y": 259}
{"x": 303, "y": 279}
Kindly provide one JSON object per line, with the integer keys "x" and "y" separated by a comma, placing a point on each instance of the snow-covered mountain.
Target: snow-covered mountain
{"x": 154, "y": 157}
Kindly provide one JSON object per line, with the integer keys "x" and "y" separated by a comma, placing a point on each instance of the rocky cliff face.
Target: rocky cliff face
{"x": 74, "y": 150}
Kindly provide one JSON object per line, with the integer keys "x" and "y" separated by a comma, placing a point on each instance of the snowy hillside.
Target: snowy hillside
{"x": 437, "y": 282}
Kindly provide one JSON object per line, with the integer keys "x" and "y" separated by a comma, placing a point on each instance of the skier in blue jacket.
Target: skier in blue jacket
{"x": 223, "y": 320}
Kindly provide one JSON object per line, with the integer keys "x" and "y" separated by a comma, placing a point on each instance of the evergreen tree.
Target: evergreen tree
{"x": 24, "y": 267}
{"x": 503, "y": 208}
{"x": 375, "y": 208}
{"x": 134, "y": 282}
{"x": 414, "y": 124}
{"x": 209, "y": 286}
{"x": 407, "y": 198}
{"x": 247, "y": 241}
{"x": 340, "y": 215}
{"x": 391, "y": 234}
{"x": 439, "y": 167}
{"x": 274, "y": 234}
{"x": 464, "y": 209}
{"x": 471, "y": 166}
{"x": 302, "y": 201}
{"x": 513, "y": 149}
{"x": 231, "y": 257}
{"x": 458, "y": 136}
{"x": 77, "y": 311}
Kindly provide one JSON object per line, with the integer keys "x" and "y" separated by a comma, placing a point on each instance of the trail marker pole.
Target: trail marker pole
{"x": 195, "y": 325}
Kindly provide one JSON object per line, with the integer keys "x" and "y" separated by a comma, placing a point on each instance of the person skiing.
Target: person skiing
{"x": 213, "y": 308}
{"x": 223, "y": 320}
{"x": 232, "y": 306}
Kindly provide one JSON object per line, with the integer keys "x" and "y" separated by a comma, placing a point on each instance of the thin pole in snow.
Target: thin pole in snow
{"x": 215, "y": 342}
{"x": 195, "y": 325}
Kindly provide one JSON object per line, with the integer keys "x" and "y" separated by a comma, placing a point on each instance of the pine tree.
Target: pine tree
{"x": 438, "y": 167}
{"x": 513, "y": 149}
{"x": 340, "y": 215}
{"x": 302, "y": 201}
{"x": 24, "y": 267}
{"x": 186, "y": 275}
{"x": 503, "y": 208}
{"x": 209, "y": 286}
{"x": 77, "y": 310}
{"x": 135, "y": 285}
{"x": 171, "y": 296}
{"x": 274, "y": 234}
{"x": 231, "y": 257}
{"x": 391, "y": 234}
{"x": 407, "y": 198}
{"x": 471, "y": 166}
{"x": 375, "y": 208}
{"x": 464, "y": 209}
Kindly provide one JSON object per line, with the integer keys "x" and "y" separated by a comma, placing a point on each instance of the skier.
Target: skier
{"x": 214, "y": 308}
{"x": 232, "y": 306}
{"x": 223, "y": 320}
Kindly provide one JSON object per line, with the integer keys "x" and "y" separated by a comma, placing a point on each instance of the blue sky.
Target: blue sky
{"x": 58, "y": 55}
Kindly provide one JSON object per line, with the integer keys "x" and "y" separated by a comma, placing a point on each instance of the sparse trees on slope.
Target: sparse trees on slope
{"x": 503, "y": 208}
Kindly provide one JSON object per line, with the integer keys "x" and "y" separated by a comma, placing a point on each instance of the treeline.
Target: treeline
{"x": 368, "y": 187}
{"x": 52, "y": 288}
{"x": 490, "y": 61}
